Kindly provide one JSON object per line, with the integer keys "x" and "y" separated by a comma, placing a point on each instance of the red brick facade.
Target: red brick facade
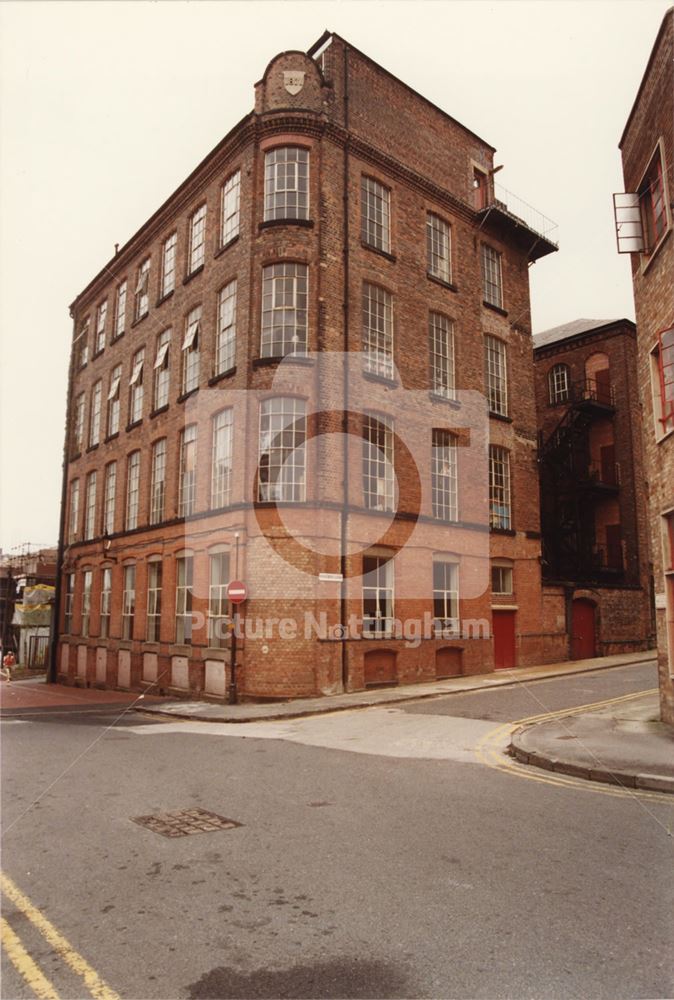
{"x": 647, "y": 147}
{"x": 589, "y": 369}
{"x": 355, "y": 125}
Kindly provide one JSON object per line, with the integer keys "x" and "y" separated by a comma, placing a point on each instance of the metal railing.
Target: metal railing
{"x": 519, "y": 210}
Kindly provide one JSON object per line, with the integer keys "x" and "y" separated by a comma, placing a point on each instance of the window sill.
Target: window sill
{"x": 164, "y": 298}
{"x": 193, "y": 274}
{"x": 186, "y": 395}
{"x": 222, "y": 375}
{"x": 125, "y": 644}
{"x": 140, "y": 319}
{"x": 118, "y": 336}
{"x": 97, "y": 354}
{"x": 92, "y": 447}
{"x": 441, "y": 281}
{"x": 381, "y": 253}
{"x": 181, "y": 649}
{"x": 663, "y": 437}
{"x": 295, "y": 359}
{"x": 111, "y": 437}
{"x": 381, "y": 380}
{"x": 76, "y": 455}
{"x": 436, "y": 397}
{"x": 160, "y": 409}
{"x": 500, "y": 416}
{"x": 271, "y": 504}
{"x": 502, "y": 531}
{"x": 136, "y": 423}
{"x": 275, "y": 223}
{"x": 533, "y": 534}
{"x": 496, "y": 309}
{"x": 226, "y": 246}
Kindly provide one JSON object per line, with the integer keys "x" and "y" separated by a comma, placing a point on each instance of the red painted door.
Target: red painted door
{"x": 503, "y": 625}
{"x": 583, "y": 644}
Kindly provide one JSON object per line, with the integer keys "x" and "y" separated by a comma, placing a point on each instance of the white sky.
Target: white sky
{"x": 106, "y": 107}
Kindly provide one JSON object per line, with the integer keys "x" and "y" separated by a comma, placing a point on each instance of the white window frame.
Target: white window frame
{"x": 95, "y": 414}
{"x": 78, "y": 423}
{"x": 158, "y": 482}
{"x": 85, "y": 621}
{"x": 114, "y": 404}
{"x": 285, "y": 296}
{"x": 132, "y": 491}
{"x": 101, "y": 317}
{"x": 219, "y": 609}
{"x": 106, "y": 602}
{"x": 446, "y": 621}
{"x": 168, "y": 265}
{"x": 187, "y": 481}
{"x": 503, "y": 569}
{"x": 496, "y": 374}
{"x": 444, "y": 475}
{"x": 136, "y": 392}
{"x": 378, "y": 330}
{"x": 161, "y": 368}
{"x": 379, "y": 589}
{"x": 154, "y": 595}
{"x": 74, "y": 519}
{"x": 191, "y": 351}
{"x": 109, "y": 495}
{"x": 128, "y": 601}
{"x": 379, "y": 481}
{"x": 492, "y": 276}
{"x": 90, "y": 505}
{"x": 225, "y": 341}
{"x": 441, "y": 352}
{"x": 68, "y": 601}
{"x": 375, "y": 224}
{"x": 559, "y": 384}
{"x": 230, "y": 208}
{"x": 197, "y": 245}
{"x": 286, "y": 183}
{"x": 438, "y": 248}
{"x": 221, "y": 458}
{"x": 143, "y": 289}
{"x": 282, "y": 450}
{"x": 500, "y": 497}
{"x": 120, "y": 309}
{"x": 184, "y": 586}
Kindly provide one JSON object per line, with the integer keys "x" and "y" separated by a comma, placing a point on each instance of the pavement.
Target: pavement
{"x": 621, "y": 742}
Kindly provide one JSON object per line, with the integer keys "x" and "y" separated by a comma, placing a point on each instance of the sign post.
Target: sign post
{"x": 237, "y": 592}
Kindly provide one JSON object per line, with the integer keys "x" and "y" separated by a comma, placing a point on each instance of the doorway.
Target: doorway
{"x": 583, "y": 630}
{"x": 503, "y": 626}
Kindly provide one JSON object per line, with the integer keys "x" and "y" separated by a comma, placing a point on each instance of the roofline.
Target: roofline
{"x": 649, "y": 64}
{"x": 155, "y": 215}
{"x": 333, "y": 34}
{"x": 584, "y": 333}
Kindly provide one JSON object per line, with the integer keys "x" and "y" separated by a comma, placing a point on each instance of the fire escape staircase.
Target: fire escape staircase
{"x": 570, "y": 488}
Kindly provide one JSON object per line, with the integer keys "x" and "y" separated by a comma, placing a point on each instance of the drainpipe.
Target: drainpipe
{"x": 56, "y": 610}
{"x": 345, "y": 376}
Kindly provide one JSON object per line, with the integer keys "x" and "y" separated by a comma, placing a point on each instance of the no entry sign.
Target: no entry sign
{"x": 237, "y": 592}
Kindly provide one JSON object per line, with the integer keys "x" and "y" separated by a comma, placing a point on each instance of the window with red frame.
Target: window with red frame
{"x": 665, "y": 357}
{"x": 653, "y": 206}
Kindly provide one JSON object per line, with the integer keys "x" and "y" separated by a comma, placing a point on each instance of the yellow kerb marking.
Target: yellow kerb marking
{"x": 25, "y": 965}
{"x": 96, "y": 986}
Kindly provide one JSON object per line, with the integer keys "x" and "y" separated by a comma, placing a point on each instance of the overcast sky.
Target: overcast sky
{"x": 106, "y": 107}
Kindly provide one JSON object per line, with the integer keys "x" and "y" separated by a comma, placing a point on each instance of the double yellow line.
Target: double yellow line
{"x": 24, "y": 964}
{"x": 489, "y": 751}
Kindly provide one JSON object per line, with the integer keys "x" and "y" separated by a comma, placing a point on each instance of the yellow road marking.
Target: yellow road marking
{"x": 487, "y": 752}
{"x": 25, "y": 965}
{"x": 96, "y": 986}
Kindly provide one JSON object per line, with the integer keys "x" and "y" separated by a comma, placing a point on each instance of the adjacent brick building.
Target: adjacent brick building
{"x": 644, "y": 223}
{"x": 344, "y": 243}
{"x": 593, "y": 506}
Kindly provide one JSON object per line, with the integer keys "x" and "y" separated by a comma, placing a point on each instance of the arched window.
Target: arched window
{"x": 559, "y": 384}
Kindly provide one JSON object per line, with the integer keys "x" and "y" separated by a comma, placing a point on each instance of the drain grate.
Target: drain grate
{"x": 185, "y": 822}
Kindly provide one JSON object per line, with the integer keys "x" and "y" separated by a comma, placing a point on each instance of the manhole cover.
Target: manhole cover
{"x": 185, "y": 822}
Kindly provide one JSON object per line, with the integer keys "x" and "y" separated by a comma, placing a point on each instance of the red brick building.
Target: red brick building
{"x": 644, "y": 223}
{"x": 310, "y": 370}
{"x": 593, "y": 507}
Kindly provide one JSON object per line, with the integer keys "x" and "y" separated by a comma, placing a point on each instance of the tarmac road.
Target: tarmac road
{"x": 377, "y": 856}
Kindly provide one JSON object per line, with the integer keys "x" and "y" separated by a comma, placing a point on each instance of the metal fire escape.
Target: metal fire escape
{"x": 571, "y": 486}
